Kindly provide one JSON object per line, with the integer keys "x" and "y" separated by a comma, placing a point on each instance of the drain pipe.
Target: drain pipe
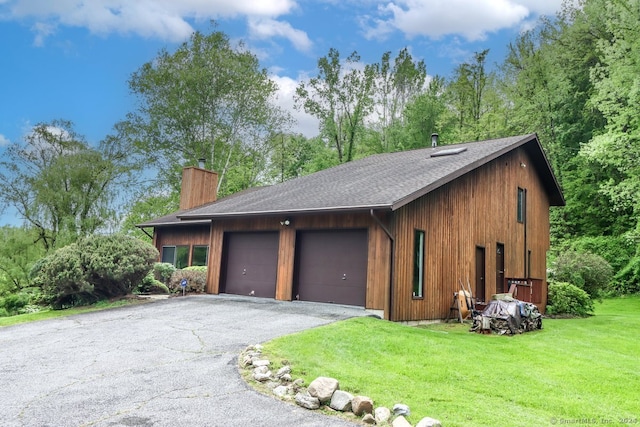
{"x": 391, "y": 253}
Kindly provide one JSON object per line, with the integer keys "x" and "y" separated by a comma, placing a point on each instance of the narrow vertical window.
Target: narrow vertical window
{"x": 522, "y": 204}
{"x": 418, "y": 264}
{"x": 169, "y": 254}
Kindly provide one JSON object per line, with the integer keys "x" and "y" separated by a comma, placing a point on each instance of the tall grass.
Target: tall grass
{"x": 573, "y": 370}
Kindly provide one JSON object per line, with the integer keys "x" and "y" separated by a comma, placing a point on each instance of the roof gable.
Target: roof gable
{"x": 382, "y": 181}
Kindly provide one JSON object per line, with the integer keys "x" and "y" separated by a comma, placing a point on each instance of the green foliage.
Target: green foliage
{"x": 627, "y": 281}
{"x": 17, "y": 255}
{"x": 63, "y": 187}
{"x": 589, "y": 272}
{"x": 14, "y": 304}
{"x": 149, "y": 285}
{"x": 146, "y": 207}
{"x": 565, "y": 298}
{"x": 162, "y": 271}
{"x": 95, "y": 268}
{"x": 616, "y": 250}
{"x": 340, "y": 97}
{"x": 201, "y": 268}
{"x": 208, "y": 99}
{"x": 196, "y": 280}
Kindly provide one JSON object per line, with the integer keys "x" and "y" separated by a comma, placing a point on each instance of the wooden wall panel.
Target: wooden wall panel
{"x": 478, "y": 209}
{"x": 199, "y": 186}
{"x": 286, "y": 258}
{"x": 214, "y": 266}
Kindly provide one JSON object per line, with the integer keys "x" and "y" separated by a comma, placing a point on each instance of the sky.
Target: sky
{"x": 71, "y": 59}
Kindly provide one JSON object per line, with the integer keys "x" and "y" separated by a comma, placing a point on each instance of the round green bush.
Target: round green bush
{"x": 93, "y": 269}
{"x": 150, "y": 285}
{"x": 588, "y": 271}
{"x": 196, "y": 280}
{"x": 567, "y": 299}
{"x": 162, "y": 271}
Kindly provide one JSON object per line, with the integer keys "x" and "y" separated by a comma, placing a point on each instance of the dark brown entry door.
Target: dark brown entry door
{"x": 250, "y": 264}
{"x": 480, "y": 274}
{"x": 500, "y": 268}
{"x": 331, "y": 266}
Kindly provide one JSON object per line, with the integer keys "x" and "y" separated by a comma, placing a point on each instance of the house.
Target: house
{"x": 394, "y": 232}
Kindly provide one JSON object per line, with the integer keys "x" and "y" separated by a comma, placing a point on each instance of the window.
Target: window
{"x": 200, "y": 255}
{"x": 418, "y": 264}
{"x": 176, "y": 255}
{"x": 522, "y": 204}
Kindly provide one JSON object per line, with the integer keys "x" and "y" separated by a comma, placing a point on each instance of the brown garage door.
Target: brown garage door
{"x": 250, "y": 263}
{"x": 331, "y": 266}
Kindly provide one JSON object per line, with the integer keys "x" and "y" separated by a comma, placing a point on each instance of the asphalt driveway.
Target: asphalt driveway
{"x": 168, "y": 363}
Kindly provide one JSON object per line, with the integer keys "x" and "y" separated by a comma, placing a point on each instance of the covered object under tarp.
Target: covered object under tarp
{"x": 507, "y": 316}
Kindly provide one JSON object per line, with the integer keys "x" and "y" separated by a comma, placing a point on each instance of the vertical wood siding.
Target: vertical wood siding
{"x": 199, "y": 186}
{"x": 478, "y": 209}
{"x": 189, "y": 235}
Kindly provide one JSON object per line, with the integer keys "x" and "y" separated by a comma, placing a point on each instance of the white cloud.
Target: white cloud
{"x": 4, "y": 140}
{"x": 262, "y": 28}
{"x": 165, "y": 19}
{"x": 472, "y": 19}
{"x": 304, "y": 123}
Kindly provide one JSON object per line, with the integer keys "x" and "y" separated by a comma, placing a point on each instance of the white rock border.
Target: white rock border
{"x": 323, "y": 392}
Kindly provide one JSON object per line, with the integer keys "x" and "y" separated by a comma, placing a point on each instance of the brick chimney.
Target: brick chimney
{"x": 199, "y": 186}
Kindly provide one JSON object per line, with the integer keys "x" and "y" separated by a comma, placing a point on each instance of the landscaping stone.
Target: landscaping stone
{"x": 285, "y": 370}
{"x": 261, "y": 374}
{"x": 323, "y": 388}
{"x": 262, "y": 362}
{"x": 429, "y": 422}
{"x": 341, "y": 401}
{"x": 286, "y": 378}
{"x": 401, "y": 409}
{"x": 246, "y": 361}
{"x": 281, "y": 391}
{"x": 401, "y": 421}
{"x": 297, "y": 385}
{"x": 361, "y": 405}
{"x": 382, "y": 414}
{"x": 307, "y": 401}
{"x": 368, "y": 419}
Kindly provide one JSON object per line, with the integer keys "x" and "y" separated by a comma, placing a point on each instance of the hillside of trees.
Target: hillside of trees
{"x": 573, "y": 79}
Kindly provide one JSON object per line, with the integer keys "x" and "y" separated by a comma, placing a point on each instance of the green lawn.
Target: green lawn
{"x": 574, "y": 371}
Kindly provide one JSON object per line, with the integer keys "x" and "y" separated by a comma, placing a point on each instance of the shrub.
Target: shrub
{"x": 590, "y": 272}
{"x": 202, "y": 268}
{"x": 94, "y": 268}
{"x": 150, "y": 285}
{"x": 162, "y": 271}
{"x": 62, "y": 279}
{"x": 565, "y": 298}
{"x": 14, "y": 303}
{"x": 627, "y": 281}
{"x": 617, "y": 250}
{"x": 196, "y": 280}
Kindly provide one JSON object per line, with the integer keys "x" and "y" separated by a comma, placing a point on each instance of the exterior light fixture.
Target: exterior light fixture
{"x": 285, "y": 222}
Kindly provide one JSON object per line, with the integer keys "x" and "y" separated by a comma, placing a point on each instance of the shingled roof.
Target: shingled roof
{"x": 382, "y": 181}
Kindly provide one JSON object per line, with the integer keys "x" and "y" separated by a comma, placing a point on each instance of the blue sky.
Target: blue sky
{"x": 68, "y": 59}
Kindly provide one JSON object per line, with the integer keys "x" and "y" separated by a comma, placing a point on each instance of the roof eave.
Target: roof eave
{"x": 333, "y": 209}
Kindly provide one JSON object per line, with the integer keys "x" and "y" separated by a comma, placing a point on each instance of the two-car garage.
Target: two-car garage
{"x": 330, "y": 265}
